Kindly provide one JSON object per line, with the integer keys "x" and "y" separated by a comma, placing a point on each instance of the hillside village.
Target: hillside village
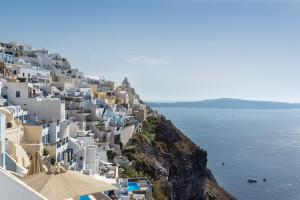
{"x": 73, "y": 121}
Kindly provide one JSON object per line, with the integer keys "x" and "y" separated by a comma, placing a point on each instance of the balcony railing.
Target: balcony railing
{"x": 62, "y": 142}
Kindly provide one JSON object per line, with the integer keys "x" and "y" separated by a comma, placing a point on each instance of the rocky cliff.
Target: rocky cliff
{"x": 176, "y": 166}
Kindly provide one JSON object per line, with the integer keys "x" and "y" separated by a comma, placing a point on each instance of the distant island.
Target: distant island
{"x": 229, "y": 103}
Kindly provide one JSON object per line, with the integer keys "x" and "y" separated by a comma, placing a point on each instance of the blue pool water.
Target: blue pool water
{"x": 133, "y": 186}
{"x": 251, "y": 143}
{"x": 85, "y": 197}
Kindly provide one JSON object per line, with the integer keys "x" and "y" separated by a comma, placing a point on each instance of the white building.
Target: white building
{"x": 86, "y": 155}
{"x": 25, "y": 95}
{"x": 18, "y": 113}
{"x": 58, "y": 139}
{"x": 30, "y": 73}
{"x": 46, "y": 60}
{"x": 42, "y": 110}
{"x": 90, "y": 159}
{"x": 7, "y": 58}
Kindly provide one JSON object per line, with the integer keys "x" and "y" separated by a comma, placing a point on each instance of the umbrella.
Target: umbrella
{"x": 60, "y": 184}
{"x": 36, "y": 165}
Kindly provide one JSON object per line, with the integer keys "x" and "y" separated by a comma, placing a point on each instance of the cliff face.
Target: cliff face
{"x": 175, "y": 164}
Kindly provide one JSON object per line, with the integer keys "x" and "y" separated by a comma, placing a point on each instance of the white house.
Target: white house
{"x": 25, "y": 95}
{"x": 19, "y": 113}
{"x": 33, "y": 74}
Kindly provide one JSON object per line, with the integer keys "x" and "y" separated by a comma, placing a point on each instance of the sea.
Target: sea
{"x": 260, "y": 144}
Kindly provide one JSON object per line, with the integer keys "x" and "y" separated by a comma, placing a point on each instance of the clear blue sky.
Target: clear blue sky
{"x": 171, "y": 49}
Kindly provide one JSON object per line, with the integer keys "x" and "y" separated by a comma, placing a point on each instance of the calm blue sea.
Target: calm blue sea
{"x": 251, "y": 143}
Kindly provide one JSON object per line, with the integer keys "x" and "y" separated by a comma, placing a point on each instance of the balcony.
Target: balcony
{"x": 62, "y": 142}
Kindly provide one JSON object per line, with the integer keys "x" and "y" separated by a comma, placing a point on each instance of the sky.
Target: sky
{"x": 171, "y": 50}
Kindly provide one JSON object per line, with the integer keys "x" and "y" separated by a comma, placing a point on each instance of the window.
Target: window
{"x": 9, "y": 125}
{"x": 47, "y": 138}
{"x": 81, "y": 158}
{"x": 18, "y": 94}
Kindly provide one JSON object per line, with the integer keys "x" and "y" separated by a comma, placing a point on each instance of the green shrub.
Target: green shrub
{"x": 157, "y": 190}
{"x": 111, "y": 155}
{"x": 130, "y": 172}
{"x": 144, "y": 166}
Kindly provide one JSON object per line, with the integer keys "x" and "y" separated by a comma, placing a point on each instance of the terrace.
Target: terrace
{"x": 138, "y": 188}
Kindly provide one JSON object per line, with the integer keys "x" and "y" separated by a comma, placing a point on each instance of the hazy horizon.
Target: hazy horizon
{"x": 171, "y": 50}
{"x": 221, "y": 98}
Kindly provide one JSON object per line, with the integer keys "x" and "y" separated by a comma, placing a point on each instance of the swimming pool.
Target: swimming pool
{"x": 133, "y": 186}
{"x": 85, "y": 197}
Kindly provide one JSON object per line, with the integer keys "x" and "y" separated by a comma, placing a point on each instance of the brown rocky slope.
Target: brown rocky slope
{"x": 176, "y": 166}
